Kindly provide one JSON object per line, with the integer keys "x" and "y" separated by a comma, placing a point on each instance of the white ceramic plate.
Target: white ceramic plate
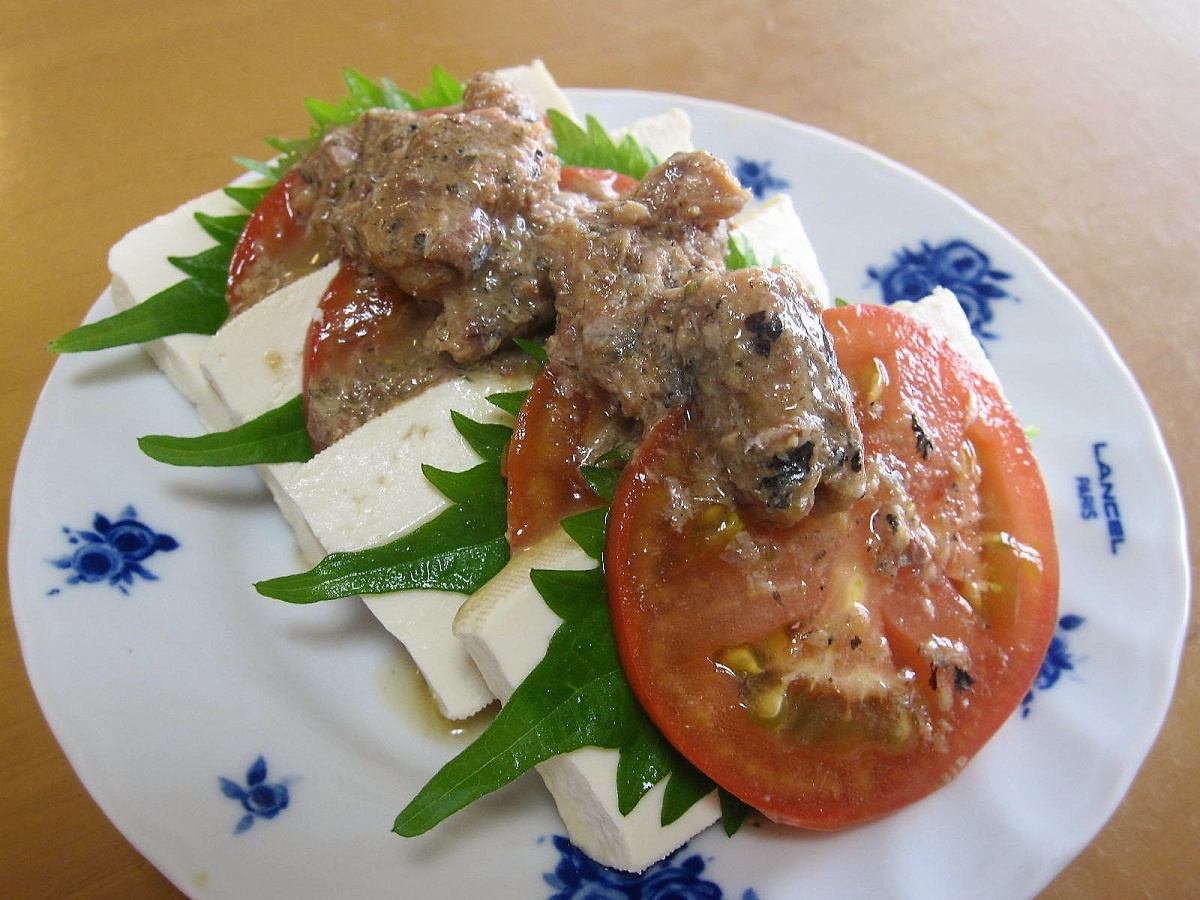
{"x": 167, "y": 683}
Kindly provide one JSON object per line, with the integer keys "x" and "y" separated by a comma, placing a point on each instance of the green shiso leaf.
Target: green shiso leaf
{"x": 278, "y": 435}
{"x": 443, "y": 90}
{"x": 183, "y": 308}
{"x": 488, "y": 439}
{"x": 247, "y": 196}
{"x": 362, "y": 94}
{"x": 587, "y": 530}
{"x": 536, "y": 350}
{"x": 460, "y": 550}
{"x": 590, "y": 146}
{"x": 195, "y": 305}
{"x": 577, "y": 696}
{"x": 733, "y": 812}
{"x": 509, "y": 401}
{"x": 740, "y": 254}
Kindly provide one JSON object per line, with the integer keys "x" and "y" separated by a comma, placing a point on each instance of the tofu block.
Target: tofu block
{"x": 139, "y": 269}
{"x": 507, "y": 626}
{"x": 535, "y": 79}
{"x": 662, "y": 135}
{"x": 255, "y": 361}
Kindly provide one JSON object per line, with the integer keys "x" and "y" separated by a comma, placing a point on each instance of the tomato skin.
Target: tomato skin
{"x": 599, "y": 184}
{"x": 924, "y": 673}
{"x": 554, "y": 436}
{"x": 274, "y": 247}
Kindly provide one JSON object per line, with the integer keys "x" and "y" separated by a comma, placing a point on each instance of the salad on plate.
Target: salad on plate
{"x": 580, "y": 422}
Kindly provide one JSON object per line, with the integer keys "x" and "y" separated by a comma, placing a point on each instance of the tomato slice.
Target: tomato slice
{"x": 599, "y": 184}
{"x": 837, "y": 670}
{"x": 275, "y": 247}
{"x": 363, "y": 352}
{"x": 557, "y": 431}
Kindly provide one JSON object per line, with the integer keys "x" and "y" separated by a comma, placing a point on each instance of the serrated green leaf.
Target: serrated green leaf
{"x": 601, "y": 479}
{"x": 258, "y": 167}
{"x": 536, "y": 350}
{"x": 180, "y": 309}
{"x": 686, "y": 786}
{"x": 576, "y": 697}
{"x": 364, "y": 93}
{"x": 642, "y": 764}
{"x": 479, "y": 487}
{"x": 277, "y": 436}
{"x": 225, "y": 230}
{"x": 458, "y": 551}
{"x": 733, "y": 812}
{"x": 509, "y": 401}
{"x": 488, "y": 439}
{"x": 208, "y": 269}
{"x": 444, "y": 90}
{"x": 247, "y": 196}
{"x": 591, "y": 146}
{"x": 739, "y": 254}
{"x": 587, "y": 530}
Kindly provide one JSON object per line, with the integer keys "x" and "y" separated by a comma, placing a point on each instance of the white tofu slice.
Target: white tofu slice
{"x": 662, "y": 135}
{"x": 776, "y": 233}
{"x": 506, "y": 626}
{"x": 535, "y": 79}
{"x": 139, "y": 268}
{"x": 368, "y": 489}
{"x": 254, "y": 363}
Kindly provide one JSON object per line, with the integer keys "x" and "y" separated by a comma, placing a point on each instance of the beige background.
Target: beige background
{"x": 1074, "y": 124}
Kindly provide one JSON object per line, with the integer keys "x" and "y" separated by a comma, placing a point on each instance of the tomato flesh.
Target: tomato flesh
{"x": 599, "y": 184}
{"x": 557, "y": 431}
{"x": 274, "y": 247}
{"x": 837, "y": 670}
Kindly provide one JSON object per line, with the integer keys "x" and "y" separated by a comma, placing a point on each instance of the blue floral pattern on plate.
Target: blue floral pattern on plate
{"x": 757, "y": 177}
{"x": 955, "y": 264}
{"x": 112, "y": 551}
{"x": 260, "y": 798}
{"x": 678, "y": 877}
{"x": 1058, "y": 660}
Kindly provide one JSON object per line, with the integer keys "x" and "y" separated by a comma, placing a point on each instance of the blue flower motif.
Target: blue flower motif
{"x": 757, "y": 177}
{"x": 957, "y": 265}
{"x": 1058, "y": 660}
{"x": 112, "y": 551}
{"x": 578, "y": 877}
{"x": 259, "y": 798}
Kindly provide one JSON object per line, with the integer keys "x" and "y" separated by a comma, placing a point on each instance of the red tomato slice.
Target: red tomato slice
{"x": 599, "y": 184}
{"x": 274, "y": 247}
{"x": 363, "y": 352}
{"x": 840, "y": 669}
{"x": 556, "y": 433}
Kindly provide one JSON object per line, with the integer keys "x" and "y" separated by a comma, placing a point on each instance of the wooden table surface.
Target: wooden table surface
{"x": 1075, "y": 125}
